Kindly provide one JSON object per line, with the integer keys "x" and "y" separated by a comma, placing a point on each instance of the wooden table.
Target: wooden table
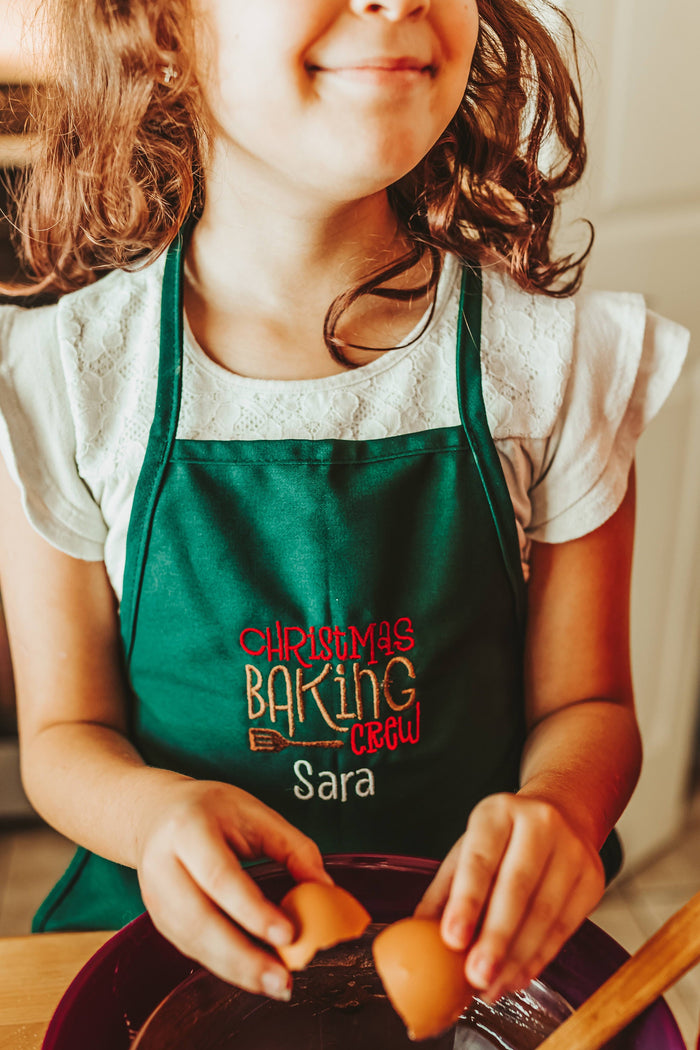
{"x": 34, "y": 973}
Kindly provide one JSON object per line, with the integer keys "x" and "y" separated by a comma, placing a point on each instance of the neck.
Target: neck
{"x": 266, "y": 261}
{"x": 273, "y": 244}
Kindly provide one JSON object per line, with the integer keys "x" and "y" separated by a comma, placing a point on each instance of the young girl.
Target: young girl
{"x": 272, "y": 496}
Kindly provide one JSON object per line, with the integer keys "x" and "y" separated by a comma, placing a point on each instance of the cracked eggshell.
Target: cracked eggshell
{"x": 322, "y": 916}
{"x": 423, "y": 978}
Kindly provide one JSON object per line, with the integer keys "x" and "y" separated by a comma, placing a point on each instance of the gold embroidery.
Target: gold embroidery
{"x": 340, "y": 679}
{"x": 274, "y": 707}
{"x": 411, "y": 693}
{"x": 253, "y": 691}
{"x": 311, "y": 687}
{"x": 342, "y": 691}
{"x": 271, "y": 740}
{"x": 301, "y": 689}
{"x": 358, "y": 675}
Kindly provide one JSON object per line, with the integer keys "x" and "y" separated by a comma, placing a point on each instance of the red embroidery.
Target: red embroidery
{"x": 364, "y": 641}
{"x": 282, "y": 695}
{"x": 252, "y": 652}
{"x": 407, "y": 639}
{"x": 307, "y": 645}
{"x": 366, "y": 738}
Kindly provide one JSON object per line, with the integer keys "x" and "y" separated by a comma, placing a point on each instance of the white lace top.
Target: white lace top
{"x": 568, "y": 385}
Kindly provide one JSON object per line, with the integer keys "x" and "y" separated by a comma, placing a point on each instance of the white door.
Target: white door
{"x": 643, "y": 194}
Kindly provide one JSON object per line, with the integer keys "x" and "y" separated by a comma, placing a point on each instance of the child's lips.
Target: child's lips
{"x": 377, "y": 70}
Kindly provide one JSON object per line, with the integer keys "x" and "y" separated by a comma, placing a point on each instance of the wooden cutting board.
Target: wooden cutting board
{"x": 34, "y": 973}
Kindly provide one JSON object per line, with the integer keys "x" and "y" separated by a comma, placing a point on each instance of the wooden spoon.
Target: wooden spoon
{"x": 658, "y": 964}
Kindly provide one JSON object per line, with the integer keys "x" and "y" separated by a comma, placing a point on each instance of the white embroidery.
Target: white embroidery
{"x": 331, "y": 786}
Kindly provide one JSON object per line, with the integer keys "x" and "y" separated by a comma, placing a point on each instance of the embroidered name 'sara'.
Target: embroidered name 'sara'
{"x": 331, "y": 786}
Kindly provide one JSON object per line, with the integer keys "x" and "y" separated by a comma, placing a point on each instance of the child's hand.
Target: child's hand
{"x": 515, "y": 887}
{"x": 193, "y": 884}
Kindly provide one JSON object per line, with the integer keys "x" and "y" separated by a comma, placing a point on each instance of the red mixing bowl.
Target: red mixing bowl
{"x": 121, "y": 985}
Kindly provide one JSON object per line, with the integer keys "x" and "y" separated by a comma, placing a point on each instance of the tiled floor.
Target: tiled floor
{"x": 32, "y": 856}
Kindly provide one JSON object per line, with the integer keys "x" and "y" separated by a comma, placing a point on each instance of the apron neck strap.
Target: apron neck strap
{"x": 475, "y": 423}
{"x": 167, "y": 410}
{"x": 161, "y": 436}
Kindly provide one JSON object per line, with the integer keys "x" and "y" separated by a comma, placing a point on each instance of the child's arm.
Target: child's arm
{"x": 82, "y": 774}
{"x": 527, "y": 867}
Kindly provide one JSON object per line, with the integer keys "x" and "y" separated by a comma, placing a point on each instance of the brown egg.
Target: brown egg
{"x": 423, "y": 978}
{"x": 322, "y": 916}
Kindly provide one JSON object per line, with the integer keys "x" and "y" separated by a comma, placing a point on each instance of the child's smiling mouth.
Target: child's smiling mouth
{"x": 379, "y": 70}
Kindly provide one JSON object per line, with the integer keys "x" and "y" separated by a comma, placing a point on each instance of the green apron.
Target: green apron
{"x": 334, "y": 626}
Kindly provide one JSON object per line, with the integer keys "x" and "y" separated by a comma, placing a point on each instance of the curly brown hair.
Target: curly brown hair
{"x": 123, "y": 151}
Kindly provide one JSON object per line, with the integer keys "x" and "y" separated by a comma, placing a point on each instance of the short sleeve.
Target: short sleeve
{"x": 37, "y": 435}
{"x": 625, "y": 361}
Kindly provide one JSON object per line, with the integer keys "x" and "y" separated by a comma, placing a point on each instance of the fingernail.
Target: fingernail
{"x": 492, "y": 995}
{"x": 481, "y": 971}
{"x": 279, "y": 934}
{"x": 276, "y": 985}
{"x": 456, "y": 935}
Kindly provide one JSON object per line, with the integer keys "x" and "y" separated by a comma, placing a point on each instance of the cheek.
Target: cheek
{"x": 239, "y": 43}
{"x": 461, "y": 35}
{"x": 246, "y": 105}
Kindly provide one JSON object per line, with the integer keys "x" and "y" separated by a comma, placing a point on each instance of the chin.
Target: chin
{"x": 346, "y": 189}
{"x": 374, "y": 170}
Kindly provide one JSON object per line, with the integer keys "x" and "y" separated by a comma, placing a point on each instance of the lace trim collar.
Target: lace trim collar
{"x": 388, "y": 360}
